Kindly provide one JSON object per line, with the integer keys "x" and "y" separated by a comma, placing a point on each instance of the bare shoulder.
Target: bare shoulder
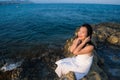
{"x": 91, "y": 47}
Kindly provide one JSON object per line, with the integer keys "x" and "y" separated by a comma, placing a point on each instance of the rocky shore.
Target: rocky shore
{"x": 39, "y": 60}
{"x": 107, "y": 32}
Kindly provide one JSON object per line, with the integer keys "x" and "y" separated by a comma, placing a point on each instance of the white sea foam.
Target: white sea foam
{"x": 10, "y": 66}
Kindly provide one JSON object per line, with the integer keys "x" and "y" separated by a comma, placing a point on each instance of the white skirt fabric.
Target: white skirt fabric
{"x": 79, "y": 64}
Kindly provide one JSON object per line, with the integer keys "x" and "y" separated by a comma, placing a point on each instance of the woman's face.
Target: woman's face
{"x": 82, "y": 33}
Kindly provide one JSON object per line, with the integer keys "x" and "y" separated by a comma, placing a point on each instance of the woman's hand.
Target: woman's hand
{"x": 87, "y": 39}
{"x": 79, "y": 49}
{"x": 76, "y": 41}
{"x": 74, "y": 44}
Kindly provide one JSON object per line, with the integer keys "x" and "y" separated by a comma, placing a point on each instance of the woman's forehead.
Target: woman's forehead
{"x": 83, "y": 28}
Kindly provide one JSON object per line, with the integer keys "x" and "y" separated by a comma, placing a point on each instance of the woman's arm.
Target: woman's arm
{"x": 74, "y": 45}
{"x": 85, "y": 50}
{"x": 80, "y": 50}
{"x": 79, "y": 47}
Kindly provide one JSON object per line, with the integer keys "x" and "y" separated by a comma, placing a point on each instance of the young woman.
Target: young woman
{"x": 83, "y": 48}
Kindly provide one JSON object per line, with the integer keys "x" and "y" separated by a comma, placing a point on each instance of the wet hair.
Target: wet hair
{"x": 89, "y": 32}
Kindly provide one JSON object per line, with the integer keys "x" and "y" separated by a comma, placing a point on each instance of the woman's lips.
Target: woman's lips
{"x": 80, "y": 36}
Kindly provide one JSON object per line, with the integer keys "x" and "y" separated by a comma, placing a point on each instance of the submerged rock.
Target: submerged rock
{"x": 115, "y": 72}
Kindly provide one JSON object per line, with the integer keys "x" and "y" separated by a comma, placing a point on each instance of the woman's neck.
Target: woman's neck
{"x": 82, "y": 40}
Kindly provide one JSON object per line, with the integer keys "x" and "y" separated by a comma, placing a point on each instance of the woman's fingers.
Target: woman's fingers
{"x": 87, "y": 39}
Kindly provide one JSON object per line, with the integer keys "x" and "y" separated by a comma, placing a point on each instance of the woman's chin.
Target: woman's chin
{"x": 81, "y": 38}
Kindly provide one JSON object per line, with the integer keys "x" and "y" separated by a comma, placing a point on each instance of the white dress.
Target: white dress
{"x": 79, "y": 64}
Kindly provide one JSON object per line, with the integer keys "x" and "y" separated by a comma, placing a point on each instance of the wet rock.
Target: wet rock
{"x": 68, "y": 76}
{"x": 11, "y": 75}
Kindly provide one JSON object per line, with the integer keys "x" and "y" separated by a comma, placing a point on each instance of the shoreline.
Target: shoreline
{"x": 39, "y": 55}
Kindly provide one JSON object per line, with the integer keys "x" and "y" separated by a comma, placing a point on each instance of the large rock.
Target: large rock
{"x": 107, "y": 32}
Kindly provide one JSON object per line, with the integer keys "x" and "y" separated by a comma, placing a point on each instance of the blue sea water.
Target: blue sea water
{"x": 54, "y": 24}
{"x": 50, "y": 23}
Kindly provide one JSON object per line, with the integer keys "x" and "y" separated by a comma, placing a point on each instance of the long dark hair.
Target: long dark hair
{"x": 89, "y": 32}
{"x": 89, "y": 29}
